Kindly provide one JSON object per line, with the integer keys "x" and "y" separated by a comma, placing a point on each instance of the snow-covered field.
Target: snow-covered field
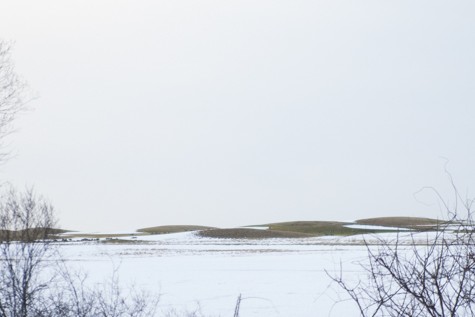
{"x": 276, "y": 277}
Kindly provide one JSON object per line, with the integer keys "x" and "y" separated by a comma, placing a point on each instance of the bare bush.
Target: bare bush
{"x": 30, "y": 285}
{"x": 35, "y": 284}
{"x": 26, "y": 223}
{"x": 428, "y": 274}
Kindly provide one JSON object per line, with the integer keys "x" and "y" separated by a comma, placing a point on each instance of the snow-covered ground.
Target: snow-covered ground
{"x": 371, "y": 227}
{"x": 276, "y": 277}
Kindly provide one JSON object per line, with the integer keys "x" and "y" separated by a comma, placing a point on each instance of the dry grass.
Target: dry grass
{"x": 244, "y": 233}
{"x": 101, "y": 235}
{"x": 318, "y": 228}
{"x": 30, "y": 234}
{"x": 122, "y": 241}
{"x": 402, "y": 222}
{"x": 173, "y": 229}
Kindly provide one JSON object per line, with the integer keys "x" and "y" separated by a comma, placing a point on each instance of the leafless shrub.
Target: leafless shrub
{"x": 29, "y": 283}
{"x": 430, "y": 277}
{"x": 25, "y": 224}
{"x": 34, "y": 284}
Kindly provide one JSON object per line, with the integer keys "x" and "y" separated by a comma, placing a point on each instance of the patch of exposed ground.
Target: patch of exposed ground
{"x": 319, "y": 228}
{"x": 244, "y": 233}
{"x": 172, "y": 229}
{"x": 30, "y": 234}
{"x": 403, "y": 222}
{"x": 100, "y": 235}
{"x": 122, "y": 241}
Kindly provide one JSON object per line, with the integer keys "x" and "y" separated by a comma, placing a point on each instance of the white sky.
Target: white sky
{"x": 241, "y": 112}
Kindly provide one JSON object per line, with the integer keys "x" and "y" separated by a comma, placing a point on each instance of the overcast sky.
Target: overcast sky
{"x": 241, "y": 112}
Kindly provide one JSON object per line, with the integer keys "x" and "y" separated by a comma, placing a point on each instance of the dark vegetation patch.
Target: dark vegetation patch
{"x": 30, "y": 234}
{"x": 173, "y": 229}
{"x": 244, "y": 233}
{"x": 122, "y": 241}
{"x": 101, "y": 235}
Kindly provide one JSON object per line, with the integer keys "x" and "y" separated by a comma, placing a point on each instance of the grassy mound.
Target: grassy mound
{"x": 244, "y": 233}
{"x": 318, "y": 228}
{"x": 172, "y": 229}
{"x": 402, "y": 222}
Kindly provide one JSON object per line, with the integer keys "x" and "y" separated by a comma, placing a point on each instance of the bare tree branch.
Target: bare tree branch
{"x": 12, "y": 94}
{"x": 435, "y": 278}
